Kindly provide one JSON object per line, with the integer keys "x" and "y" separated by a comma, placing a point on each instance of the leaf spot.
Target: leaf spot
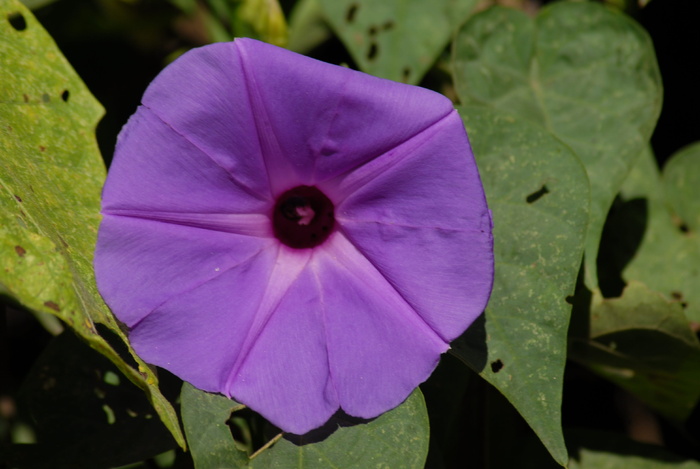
{"x": 46, "y": 98}
{"x": 52, "y": 305}
{"x": 20, "y": 251}
{"x": 678, "y": 296}
{"x": 406, "y": 74}
{"x": 25, "y": 97}
{"x": 537, "y": 194}
{"x": 17, "y": 21}
{"x": 496, "y": 366}
{"x": 372, "y": 52}
{"x": 18, "y": 198}
{"x": 352, "y": 11}
{"x": 388, "y": 25}
{"x": 42, "y": 148}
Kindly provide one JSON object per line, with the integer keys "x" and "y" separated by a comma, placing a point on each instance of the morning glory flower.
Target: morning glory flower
{"x": 295, "y": 235}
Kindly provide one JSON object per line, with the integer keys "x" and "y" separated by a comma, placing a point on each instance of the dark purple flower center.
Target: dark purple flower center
{"x": 303, "y": 217}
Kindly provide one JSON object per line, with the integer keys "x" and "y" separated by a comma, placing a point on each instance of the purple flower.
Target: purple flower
{"x": 296, "y": 235}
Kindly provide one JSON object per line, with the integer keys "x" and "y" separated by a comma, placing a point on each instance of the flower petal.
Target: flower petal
{"x": 186, "y": 255}
{"x": 156, "y": 169}
{"x": 198, "y": 334}
{"x": 284, "y": 372}
{"x": 445, "y": 275}
{"x": 203, "y": 97}
{"x": 425, "y": 226}
{"x": 332, "y": 119}
{"x": 379, "y": 347}
{"x": 140, "y": 264}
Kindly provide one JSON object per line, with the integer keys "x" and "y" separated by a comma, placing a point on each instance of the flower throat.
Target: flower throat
{"x": 303, "y": 217}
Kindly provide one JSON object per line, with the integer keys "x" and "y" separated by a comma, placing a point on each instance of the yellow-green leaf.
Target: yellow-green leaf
{"x": 51, "y": 174}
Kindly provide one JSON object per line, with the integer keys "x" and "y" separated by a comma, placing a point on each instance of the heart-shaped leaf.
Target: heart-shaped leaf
{"x": 586, "y": 73}
{"x": 538, "y": 192}
{"x": 642, "y": 342}
{"x": 668, "y": 258}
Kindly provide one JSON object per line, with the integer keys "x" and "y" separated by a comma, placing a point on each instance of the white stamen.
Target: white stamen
{"x": 306, "y": 213}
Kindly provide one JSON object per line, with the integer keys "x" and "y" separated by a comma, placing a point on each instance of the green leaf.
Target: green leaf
{"x": 84, "y": 412}
{"x": 396, "y": 39}
{"x": 205, "y": 418}
{"x": 36, "y": 4}
{"x": 613, "y": 459}
{"x": 592, "y": 449}
{"x": 538, "y": 192}
{"x": 599, "y": 450}
{"x": 398, "y": 438}
{"x": 188, "y": 6}
{"x": 681, "y": 179}
{"x": 307, "y": 27}
{"x": 266, "y": 19}
{"x": 586, "y": 73}
{"x": 668, "y": 258}
{"x": 51, "y": 174}
{"x": 643, "y": 343}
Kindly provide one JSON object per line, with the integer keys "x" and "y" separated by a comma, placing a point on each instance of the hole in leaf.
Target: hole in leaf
{"x": 65, "y": 95}
{"x": 537, "y": 194}
{"x": 17, "y": 21}
{"x": 496, "y": 366}
{"x": 406, "y": 74}
{"x": 352, "y": 11}
{"x": 683, "y": 227}
{"x": 373, "y": 50}
{"x": 372, "y": 31}
{"x": 570, "y": 299}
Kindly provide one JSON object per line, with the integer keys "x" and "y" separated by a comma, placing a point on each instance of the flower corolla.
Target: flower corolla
{"x": 296, "y": 235}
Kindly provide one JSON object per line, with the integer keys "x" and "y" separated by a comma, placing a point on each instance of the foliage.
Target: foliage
{"x": 397, "y": 438}
{"x": 51, "y": 176}
{"x": 596, "y": 301}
